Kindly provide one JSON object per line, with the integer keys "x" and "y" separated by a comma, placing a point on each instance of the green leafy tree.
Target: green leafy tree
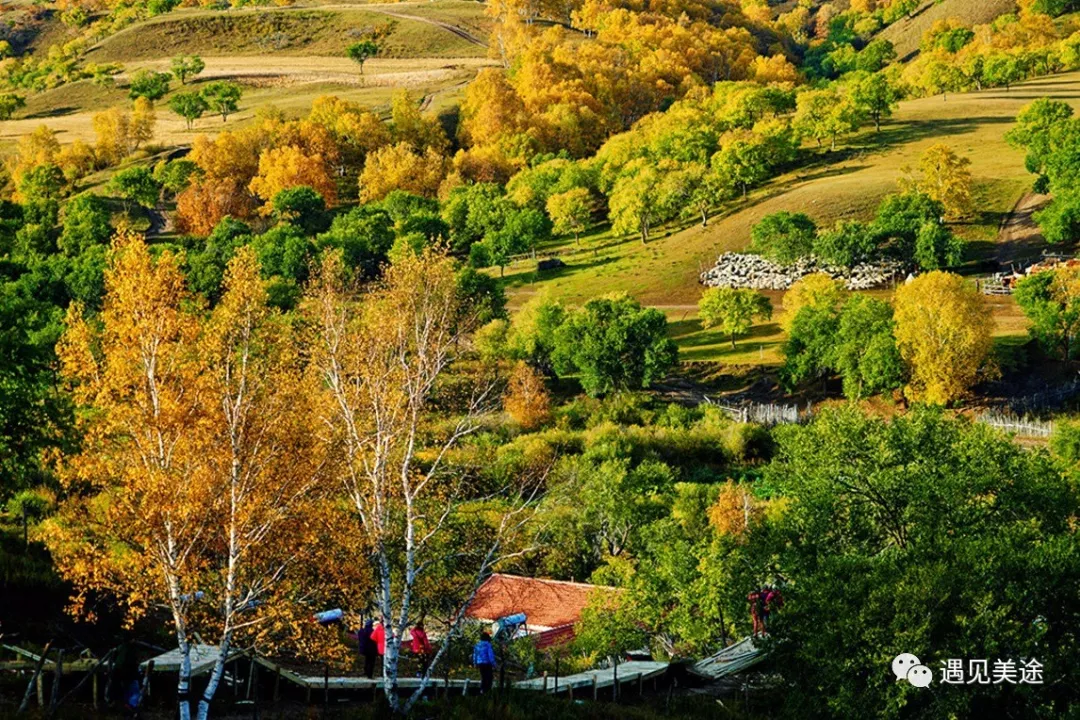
{"x": 903, "y": 519}
{"x": 865, "y": 354}
{"x": 34, "y": 415}
{"x": 612, "y": 343}
{"x": 148, "y": 84}
{"x": 206, "y": 266}
{"x": 175, "y": 175}
{"x": 743, "y": 163}
{"x": 189, "y": 105}
{"x": 521, "y": 231}
{"x": 135, "y": 185}
{"x": 359, "y": 52}
{"x": 364, "y": 235}
{"x": 533, "y": 330}
{"x": 9, "y": 103}
{"x": 732, "y": 310}
{"x": 1037, "y": 126}
{"x": 472, "y": 211}
{"x": 303, "y": 207}
{"x": 1051, "y": 302}
{"x": 570, "y": 212}
{"x": 810, "y": 344}
{"x": 847, "y": 243}
{"x": 640, "y": 199}
{"x": 187, "y": 66}
{"x": 876, "y": 55}
{"x": 783, "y": 236}
{"x": 85, "y": 224}
{"x": 222, "y": 98}
{"x": 875, "y": 97}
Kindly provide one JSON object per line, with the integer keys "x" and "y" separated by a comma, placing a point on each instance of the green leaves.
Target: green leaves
{"x": 614, "y": 344}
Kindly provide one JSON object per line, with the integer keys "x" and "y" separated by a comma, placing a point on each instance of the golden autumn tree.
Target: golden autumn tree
{"x": 381, "y": 360}
{"x": 734, "y": 511}
{"x": 945, "y": 176}
{"x": 143, "y": 120}
{"x": 399, "y": 167}
{"x": 289, "y": 166}
{"x": 191, "y": 489}
{"x": 112, "y": 129}
{"x": 944, "y": 334}
{"x": 813, "y": 290}
{"x": 140, "y": 494}
{"x": 526, "y": 398}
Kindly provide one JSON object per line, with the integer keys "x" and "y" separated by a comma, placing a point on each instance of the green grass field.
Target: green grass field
{"x": 846, "y": 184}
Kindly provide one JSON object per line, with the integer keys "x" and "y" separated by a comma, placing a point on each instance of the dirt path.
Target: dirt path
{"x": 1019, "y": 237}
{"x": 437, "y": 23}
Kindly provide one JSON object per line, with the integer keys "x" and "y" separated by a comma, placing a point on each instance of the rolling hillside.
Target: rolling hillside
{"x": 905, "y": 34}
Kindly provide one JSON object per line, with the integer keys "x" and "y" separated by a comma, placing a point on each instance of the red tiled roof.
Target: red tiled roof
{"x": 555, "y": 636}
{"x": 546, "y": 603}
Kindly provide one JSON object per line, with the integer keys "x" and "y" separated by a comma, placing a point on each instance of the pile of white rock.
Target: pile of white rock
{"x": 744, "y": 270}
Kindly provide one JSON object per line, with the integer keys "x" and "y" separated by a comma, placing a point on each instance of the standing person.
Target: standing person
{"x": 378, "y": 636}
{"x": 752, "y": 598}
{"x": 762, "y": 610}
{"x": 368, "y": 649}
{"x": 483, "y": 657}
{"x": 421, "y": 647}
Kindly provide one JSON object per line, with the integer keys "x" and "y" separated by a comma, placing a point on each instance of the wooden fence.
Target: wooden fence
{"x": 767, "y": 414}
{"x": 1019, "y": 425}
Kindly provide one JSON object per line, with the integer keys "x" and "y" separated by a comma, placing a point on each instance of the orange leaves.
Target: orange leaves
{"x": 734, "y": 511}
{"x": 526, "y": 399}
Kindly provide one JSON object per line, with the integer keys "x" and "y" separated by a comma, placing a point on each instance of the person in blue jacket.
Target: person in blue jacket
{"x": 483, "y": 657}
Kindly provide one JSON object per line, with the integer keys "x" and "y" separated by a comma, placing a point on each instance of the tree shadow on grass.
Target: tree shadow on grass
{"x": 689, "y": 333}
{"x": 54, "y": 113}
{"x": 528, "y": 277}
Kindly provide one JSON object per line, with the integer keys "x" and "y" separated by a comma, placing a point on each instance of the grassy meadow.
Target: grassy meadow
{"x": 848, "y": 183}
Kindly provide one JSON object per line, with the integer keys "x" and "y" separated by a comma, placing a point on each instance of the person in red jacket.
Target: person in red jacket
{"x": 421, "y": 646}
{"x": 378, "y": 636}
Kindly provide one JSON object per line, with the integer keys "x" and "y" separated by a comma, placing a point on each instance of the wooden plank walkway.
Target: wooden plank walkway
{"x": 732, "y": 659}
{"x": 630, "y": 671}
{"x": 203, "y": 658}
{"x": 352, "y": 682}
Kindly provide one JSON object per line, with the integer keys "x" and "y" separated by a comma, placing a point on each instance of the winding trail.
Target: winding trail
{"x": 1019, "y": 237}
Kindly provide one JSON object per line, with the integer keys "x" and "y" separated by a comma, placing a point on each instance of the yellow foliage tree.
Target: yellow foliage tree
{"x": 143, "y": 119}
{"x": 775, "y": 69}
{"x": 409, "y": 125}
{"x": 945, "y": 176}
{"x": 814, "y": 290}
{"x": 734, "y": 511}
{"x": 198, "y": 467}
{"x": 526, "y": 398}
{"x": 112, "y": 128}
{"x": 491, "y": 109}
{"x": 400, "y": 167}
{"x": 944, "y": 334}
{"x": 285, "y": 167}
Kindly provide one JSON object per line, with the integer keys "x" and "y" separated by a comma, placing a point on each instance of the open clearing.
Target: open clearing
{"x": 847, "y": 184}
{"x": 415, "y": 31}
{"x": 70, "y": 109}
{"x": 284, "y": 57}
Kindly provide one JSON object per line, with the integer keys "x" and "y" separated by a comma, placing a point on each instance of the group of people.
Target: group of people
{"x": 371, "y": 642}
{"x": 764, "y": 602}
